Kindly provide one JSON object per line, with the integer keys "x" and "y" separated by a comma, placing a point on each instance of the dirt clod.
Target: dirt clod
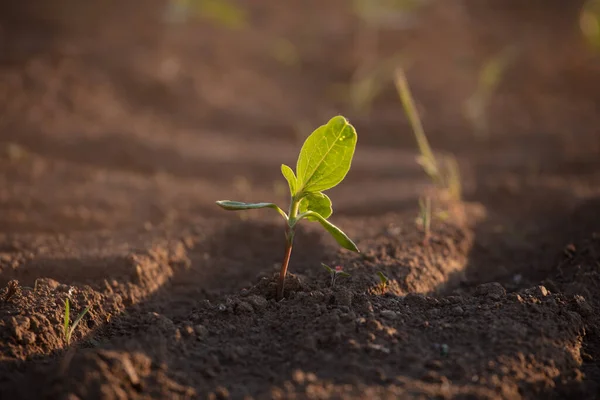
{"x": 493, "y": 290}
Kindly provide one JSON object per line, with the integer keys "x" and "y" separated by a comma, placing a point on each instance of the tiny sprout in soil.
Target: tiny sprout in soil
{"x": 383, "y": 281}
{"x": 324, "y": 161}
{"x": 67, "y": 329}
{"x": 335, "y": 272}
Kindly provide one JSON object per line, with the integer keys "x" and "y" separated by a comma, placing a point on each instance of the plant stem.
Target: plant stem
{"x": 289, "y": 241}
{"x": 286, "y": 260}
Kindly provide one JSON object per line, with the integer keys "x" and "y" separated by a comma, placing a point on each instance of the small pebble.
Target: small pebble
{"x": 389, "y": 314}
{"x": 458, "y": 310}
{"x": 258, "y": 302}
{"x": 201, "y": 331}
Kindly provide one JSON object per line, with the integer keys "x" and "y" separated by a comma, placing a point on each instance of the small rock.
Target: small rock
{"x": 46, "y": 283}
{"x": 378, "y": 347}
{"x": 458, "y": 310}
{"x": 188, "y": 330}
{"x": 244, "y": 308}
{"x": 538, "y": 291}
{"x": 258, "y": 302}
{"x": 298, "y": 376}
{"x": 201, "y": 331}
{"x": 389, "y": 314}
{"x": 493, "y": 290}
{"x": 515, "y": 297}
{"x": 583, "y": 307}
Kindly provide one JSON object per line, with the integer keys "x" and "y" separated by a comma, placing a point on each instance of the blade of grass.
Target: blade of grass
{"x": 78, "y": 320}
{"x": 410, "y": 109}
{"x": 66, "y": 321}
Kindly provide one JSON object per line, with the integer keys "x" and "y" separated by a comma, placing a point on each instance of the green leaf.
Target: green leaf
{"x": 336, "y": 232}
{"x": 66, "y": 321}
{"x": 343, "y": 274}
{"x": 238, "y": 206}
{"x": 79, "y": 319}
{"x": 289, "y": 175}
{"x": 328, "y": 268}
{"x": 326, "y": 156}
{"x": 317, "y": 202}
{"x": 382, "y": 278}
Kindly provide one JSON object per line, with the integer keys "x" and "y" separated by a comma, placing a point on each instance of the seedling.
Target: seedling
{"x": 335, "y": 272}
{"x": 324, "y": 161}
{"x": 425, "y": 216}
{"x": 446, "y": 174}
{"x": 383, "y": 281}
{"x": 67, "y": 328}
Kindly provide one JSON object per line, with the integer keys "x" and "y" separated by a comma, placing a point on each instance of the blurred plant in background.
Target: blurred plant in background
{"x": 589, "y": 22}
{"x": 490, "y": 76}
{"x": 372, "y": 73}
{"x": 223, "y": 12}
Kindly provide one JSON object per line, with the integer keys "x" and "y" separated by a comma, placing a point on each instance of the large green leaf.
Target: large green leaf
{"x": 288, "y": 174}
{"x": 326, "y": 156}
{"x": 317, "y": 202}
{"x": 238, "y": 206}
{"x": 336, "y": 232}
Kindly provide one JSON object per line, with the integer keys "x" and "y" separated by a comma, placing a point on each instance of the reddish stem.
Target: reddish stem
{"x": 284, "y": 264}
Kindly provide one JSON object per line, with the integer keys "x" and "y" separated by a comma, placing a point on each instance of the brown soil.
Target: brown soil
{"x": 118, "y": 132}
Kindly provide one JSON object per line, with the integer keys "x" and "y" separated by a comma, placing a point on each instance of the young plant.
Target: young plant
{"x": 383, "y": 281}
{"x": 445, "y": 174}
{"x": 335, "y": 272}
{"x": 324, "y": 161}
{"x": 67, "y": 328}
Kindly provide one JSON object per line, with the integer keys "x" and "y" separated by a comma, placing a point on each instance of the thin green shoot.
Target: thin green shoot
{"x": 383, "y": 281}
{"x": 68, "y": 329}
{"x": 426, "y": 159}
{"x": 444, "y": 174}
{"x": 324, "y": 161}
{"x": 490, "y": 76}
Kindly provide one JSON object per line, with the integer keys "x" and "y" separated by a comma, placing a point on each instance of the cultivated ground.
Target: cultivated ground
{"x": 118, "y": 132}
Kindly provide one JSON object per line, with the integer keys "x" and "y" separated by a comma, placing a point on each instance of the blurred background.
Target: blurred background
{"x": 187, "y": 101}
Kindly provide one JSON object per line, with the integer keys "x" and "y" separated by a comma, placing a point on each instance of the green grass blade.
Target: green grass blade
{"x": 427, "y": 158}
{"x": 79, "y": 317}
{"x": 66, "y": 320}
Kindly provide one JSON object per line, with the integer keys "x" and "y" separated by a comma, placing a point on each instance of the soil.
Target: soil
{"x": 119, "y": 131}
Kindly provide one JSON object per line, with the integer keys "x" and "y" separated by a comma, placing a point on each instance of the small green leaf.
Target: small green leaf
{"x": 239, "y": 206}
{"x": 328, "y": 268}
{"x": 336, "y": 232}
{"x": 66, "y": 321}
{"x": 326, "y": 156}
{"x": 78, "y": 320}
{"x": 317, "y": 202}
{"x": 382, "y": 278}
{"x": 289, "y": 175}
